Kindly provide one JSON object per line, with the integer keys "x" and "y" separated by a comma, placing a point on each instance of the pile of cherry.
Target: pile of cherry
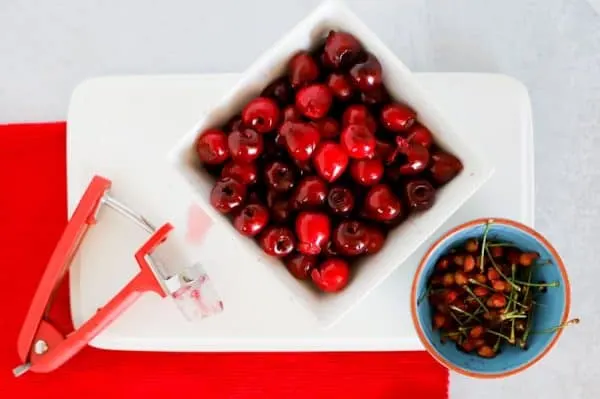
{"x": 323, "y": 163}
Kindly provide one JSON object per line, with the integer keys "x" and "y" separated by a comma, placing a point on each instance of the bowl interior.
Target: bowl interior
{"x": 551, "y": 311}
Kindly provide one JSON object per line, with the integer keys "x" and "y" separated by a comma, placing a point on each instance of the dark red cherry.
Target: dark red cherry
{"x": 245, "y": 173}
{"x": 245, "y": 145}
{"x": 382, "y": 204}
{"x": 281, "y": 210}
{"x": 378, "y": 95}
{"x": 341, "y": 50}
{"x": 358, "y": 141}
{"x": 367, "y": 171}
{"x": 329, "y": 250}
{"x": 310, "y": 193}
{"x": 350, "y": 238}
{"x": 358, "y": 114}
{"x": 330, "y": 160}
{"x": 340, "y": 86}
{"x": 340, "y": 200}
{"x": 261, "y": 114}
{"x": 227, "y": 194}
{"x": 280, "y": 91}
{"x": 328, "y": 127}
{"x": 444, "y": 167}
{"x": 235, "y": 123}
{"x": 313, "y": 230}
{"x": 302, "y": 69}
{"x": 314, "y": 101}
{"x": 385, "y": 151}
{"x": 375, "y": 240}
{"x": 416, "y": 157}
{"x": 290, "y": 113}
{"x": 279, "y": 176}
{"x": 367, "y": 74}
{"x": 212, "y": 147}
{"x": 419, "y": 134}
{"x": 300, "y": 265}
{"x": 397, "y": 117}
{"x": 301, "y": 139}
{"x": 420, "y": 195}
{"x": 251, "y": 219}
{"x": 277, "y": 241}
{"x": 332, "y": 275}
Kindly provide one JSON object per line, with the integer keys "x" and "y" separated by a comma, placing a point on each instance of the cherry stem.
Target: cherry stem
{"x": 526, "y": 284}
{"x": 553, "y": 329}
{"x": 496, "y": 333}
{"x": 473, "y": 281}
{"x": 483, "y": 246}
{"x": 513, "y": 315}
{"x": 459, "y": 310}
{"x": 516, "y": 287}
{"x": 476, "y": 298}
{"x": 497, "y": 344}
{"x": 502, "y": 244}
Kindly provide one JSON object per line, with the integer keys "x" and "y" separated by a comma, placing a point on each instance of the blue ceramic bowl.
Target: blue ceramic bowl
{"x": 553, "y": 309}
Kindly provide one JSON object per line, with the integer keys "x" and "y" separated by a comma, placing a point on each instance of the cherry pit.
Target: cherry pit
{"x": 320, "y": 166}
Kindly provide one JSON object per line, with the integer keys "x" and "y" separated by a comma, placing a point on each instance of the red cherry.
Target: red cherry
{"x": 330, "y": 160}
{"x": 340, "y": 86}
{"x": 300, "y": 265}
{"x": 245, "y": 173}
{"x": 367, "y": 74}
{"x": 357, "y": 141}
{"x": 290, "y": 113}
{"x": 314, "y": 101}
{"x": 227, "y": 194}
{"x": 419, "y": 134}
{"x": 235, "y": 123}
{"x": 280, "y": 91}
{"x": 305, "y": 167}
{"x": 261, "y": 114}
{"x": 245, "y": 145}
{"x": 385, "y": 151}
{"x": 375, "y": 240}
{"x": 302, "y": 69}
{"x": 341, "y": 50}
{"x": 301, "y": 139}
{"x": 251, "y": 219}
{"x": 340, "y": 200}
{"x": 313, "y": 230}
{"x": 444, "y": 167}
{"x": 350, "y": 237}
{"x": 281, "y": 210}
{"x": 382, "y": 204}
{"x": 332, "y": 275}
{"x": 277, "y": 241}
{"x": 310, "y": 193}
{"x": 416, "y": 157}
{"x": 328, "y": 127}
{"x": 378, "y": 95}
{"x": 358, "y": 114}
{"x": 211, "y": 147}
{"x": 397, "y": 117}
{"x": 367, "y": 171}
{"x": 420, "y": 195}
{"x": 279, "y": 176}
{"x": 329, "y": 250}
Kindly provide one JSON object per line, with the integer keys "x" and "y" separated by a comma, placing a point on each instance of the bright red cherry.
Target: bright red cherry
{"x": 328, "y": 127}
{"x": 301, "y": 139}
{"x": 341, "y": 50}
{"x": 420, "y": 194}
{"x": 277, "y": 241}
{"x": 280, "y": 176}
{"x": 358, "y": 141}
{"x": 245, "y": 145}
{"x": 261, "y": 114}
{"x": 313, "y": 230}
{"x": 367, "y": 74}
{"x": 419, "y": 134}
{"x": 251, "y": 219}
{"x": 300, "y": 265}
{"x": 330, "y": 160}
{"x": 340, "y": 86}
{"x": 444, "y": 167}
{"x": 227, "y": 194}
{"x": 310, "y": 193}
{"x": 416, "y": 157}
{"x": 280, "y": 91}
{"x": 302, "y": 69}
{"x": 358, "y": 114}
{"x": 375, "y": 240}
{"x": 332, "y": 275}
{"x": 340, "y": 200}
{"x": 314, "y": 101}
{"x": 350, "y": 238}
{"x": 245, "y": 173}
{"x": 382, "y": 204}
{"x": 397, "y": 117}
{"x": 367, "y": 171}
{"x": 211, "y": 147}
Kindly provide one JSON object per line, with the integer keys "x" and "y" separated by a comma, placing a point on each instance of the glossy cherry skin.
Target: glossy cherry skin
{"x": 314, "y": 101}
{"x": 382, "y": 204}
{"x": 212, "y": 147}
{"x": 300, "y": 265}
{"x": 328, "y": 127}
{"x": 358, "y": 114}
{"x": 367, "y": 171}
{"x": 245, "y": 173}
{"x": 358, "y": 141}
{"x": 313, "y": 230}
{"x": 341, "y": 50}
{"x": 301, "y": 139}
{"x": 340, "y": 86}
{"x": 397, "y": 117}
{"x": 340, "y": 201}
{"x": 420, "y": 194}
{"x": 227, "y": 194}
{"x": 385, "y": 151}
{"x": 375, "y": 240}
{"x": 251, "y": 219}
{"x": 310, "y": 193}
{"x": 290, "y": 113}
{"x": 416, "y": 157}
{"x": 332, "y": 275}
{"x": 419, "y": 134}
{"x": 280, "y": 91}
{"x": 277, "y": 241}
{"x": 245, "y": 145}
{"x": 444, "y": 167}
{"x": 367, "y": 74}
{"x": 261, "y": 114}
{"x": 280, "y": 176}
{"x": 350, "y": 238}
{"x": 378, "y": 95}
{"x": 302, "y": 69}
{"x": 330, "y": 160}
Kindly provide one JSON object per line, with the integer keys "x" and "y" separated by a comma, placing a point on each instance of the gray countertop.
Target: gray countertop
{"x": 552, "y": 46}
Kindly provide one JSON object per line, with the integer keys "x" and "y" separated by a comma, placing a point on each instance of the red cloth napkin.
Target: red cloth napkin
{"x": 33, "y": 212}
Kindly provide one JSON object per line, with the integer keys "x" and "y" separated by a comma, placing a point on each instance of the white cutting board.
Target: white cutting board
{"x": 122, "y": 128}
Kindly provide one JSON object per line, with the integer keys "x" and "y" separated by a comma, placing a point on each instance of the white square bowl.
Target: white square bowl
{"x": 402, "y": 241}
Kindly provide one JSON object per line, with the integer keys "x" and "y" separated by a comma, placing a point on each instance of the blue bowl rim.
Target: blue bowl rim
{"x": 413, "y": 295}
